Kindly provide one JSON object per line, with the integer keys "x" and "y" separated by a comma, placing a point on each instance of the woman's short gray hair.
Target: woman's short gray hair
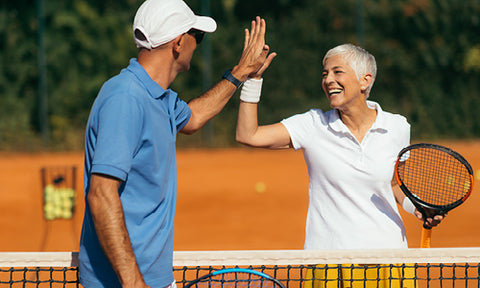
{"x": 359, "y": 59}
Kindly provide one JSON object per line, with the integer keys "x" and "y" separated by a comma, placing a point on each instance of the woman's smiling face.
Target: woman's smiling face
{"x": 339, "y": 82}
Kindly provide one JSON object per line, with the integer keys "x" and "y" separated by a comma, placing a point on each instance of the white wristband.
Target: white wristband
{"x": 408, "y": 206}
{"x": 251, "y": 90}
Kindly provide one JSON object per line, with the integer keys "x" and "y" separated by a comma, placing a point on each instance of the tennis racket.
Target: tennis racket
{"x": 235, "y": 278}
{"x": 435, "y": 178}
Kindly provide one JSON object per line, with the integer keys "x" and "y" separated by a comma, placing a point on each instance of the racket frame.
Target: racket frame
{"x": 419, "y": 203}
{"x": 234, "y": 270}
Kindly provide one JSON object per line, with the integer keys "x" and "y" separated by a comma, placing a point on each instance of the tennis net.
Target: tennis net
{"x": 434, "y": 267}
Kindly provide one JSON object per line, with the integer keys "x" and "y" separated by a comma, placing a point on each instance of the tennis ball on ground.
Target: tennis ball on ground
{"x": 260, "y": 187}
{"x": 477, "y": 175}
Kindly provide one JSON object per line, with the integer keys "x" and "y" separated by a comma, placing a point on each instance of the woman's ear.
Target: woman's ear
{"x": 365, "y": 81}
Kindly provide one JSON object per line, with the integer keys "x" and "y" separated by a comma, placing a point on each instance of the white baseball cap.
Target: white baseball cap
{"x": 161, "y": 21}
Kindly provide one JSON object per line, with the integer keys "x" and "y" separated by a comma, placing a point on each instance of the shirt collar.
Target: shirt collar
{"x": 337, "y": 125}
{"x": 154, "y": 90}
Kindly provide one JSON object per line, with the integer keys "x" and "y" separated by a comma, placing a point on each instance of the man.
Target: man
{"x": 130, "y": 164}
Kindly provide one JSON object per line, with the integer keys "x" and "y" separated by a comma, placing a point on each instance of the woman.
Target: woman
{"x": 350, "y": 152}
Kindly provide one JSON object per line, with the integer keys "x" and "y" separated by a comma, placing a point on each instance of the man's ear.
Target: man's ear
{"x": 178, "y": 43}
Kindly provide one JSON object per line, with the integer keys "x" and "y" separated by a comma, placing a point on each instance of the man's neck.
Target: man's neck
{"x": 159, "y": 64}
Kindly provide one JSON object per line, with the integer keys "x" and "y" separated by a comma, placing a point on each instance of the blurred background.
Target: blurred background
{"x": 55, "y": 55}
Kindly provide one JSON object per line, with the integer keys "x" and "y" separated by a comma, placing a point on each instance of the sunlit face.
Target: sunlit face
{"x": 340, "y": 83}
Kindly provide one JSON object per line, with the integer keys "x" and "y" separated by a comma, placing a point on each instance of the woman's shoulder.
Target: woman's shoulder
{"x": 308, "y": 119}
{"x": 390, "y": 117}
{"x": 314, "y": 115}
{"x": 395, "y": 118}
{"x": 396, "y": 122}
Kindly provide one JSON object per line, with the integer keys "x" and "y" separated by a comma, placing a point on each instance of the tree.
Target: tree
{"x": 427, "y": 53}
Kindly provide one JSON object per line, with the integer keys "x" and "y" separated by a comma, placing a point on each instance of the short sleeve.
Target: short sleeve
{"x": 299, "y": 127}
{"x": 404, "y": 131}
{"x": 119, "y": 126}
{"x": 182, "y": 114}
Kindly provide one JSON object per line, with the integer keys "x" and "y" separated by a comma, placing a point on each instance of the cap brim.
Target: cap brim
{"x": 205, "y": 24}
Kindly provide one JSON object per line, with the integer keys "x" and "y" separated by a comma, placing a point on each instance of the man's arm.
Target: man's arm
{"x": 107, "y": 213}
{"x": 254, "y": 56}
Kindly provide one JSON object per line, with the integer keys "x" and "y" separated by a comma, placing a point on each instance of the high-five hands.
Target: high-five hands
{"x": 255, "y": 58}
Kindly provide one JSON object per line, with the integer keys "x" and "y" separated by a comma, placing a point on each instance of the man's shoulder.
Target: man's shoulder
{"x": 123, "y": 84}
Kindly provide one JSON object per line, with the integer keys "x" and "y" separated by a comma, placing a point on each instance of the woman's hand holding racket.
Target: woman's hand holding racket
{"x": 431, "y": 221}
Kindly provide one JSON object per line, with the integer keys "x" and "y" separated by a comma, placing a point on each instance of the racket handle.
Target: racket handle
{"x": 426, "y": 237}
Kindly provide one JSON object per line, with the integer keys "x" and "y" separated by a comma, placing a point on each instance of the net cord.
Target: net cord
{"x": 267, "y": 257}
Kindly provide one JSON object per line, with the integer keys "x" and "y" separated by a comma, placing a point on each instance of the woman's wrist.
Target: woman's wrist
{"x": 251, "y": 90}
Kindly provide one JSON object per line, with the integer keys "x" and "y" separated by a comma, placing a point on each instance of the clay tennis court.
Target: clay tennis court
{"x": 228, "y": 199}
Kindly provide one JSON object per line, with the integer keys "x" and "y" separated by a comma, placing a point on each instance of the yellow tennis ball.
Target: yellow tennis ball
{"x": 49, "y": 215}
{"x": 450, "y": 180}
{"x": 67, "y": 204}
{"x": 477, "y": 175}
{"x": 57, "y": 211}
{"x": 67, "y": 214}
{"x": 260, "y": 187}
{"x": 48, "y": 207}
{"x": 49, "y": 188}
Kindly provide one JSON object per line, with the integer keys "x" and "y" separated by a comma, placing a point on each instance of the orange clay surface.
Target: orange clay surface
{"x": 228, "y": 199}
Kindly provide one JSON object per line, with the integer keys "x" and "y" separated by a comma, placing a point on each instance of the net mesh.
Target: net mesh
{"x": 435, "y": 267}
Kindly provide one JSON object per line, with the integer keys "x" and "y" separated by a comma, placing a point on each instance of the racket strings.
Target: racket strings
{"x": 236, "y": 279}
{"x": 434, "y": 176}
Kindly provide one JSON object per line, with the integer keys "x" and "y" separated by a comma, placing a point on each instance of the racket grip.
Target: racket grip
{"x": 426, "y": 237}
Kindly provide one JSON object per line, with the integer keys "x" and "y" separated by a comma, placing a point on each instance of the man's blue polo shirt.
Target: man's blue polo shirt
{"x": 131, "y": 135}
